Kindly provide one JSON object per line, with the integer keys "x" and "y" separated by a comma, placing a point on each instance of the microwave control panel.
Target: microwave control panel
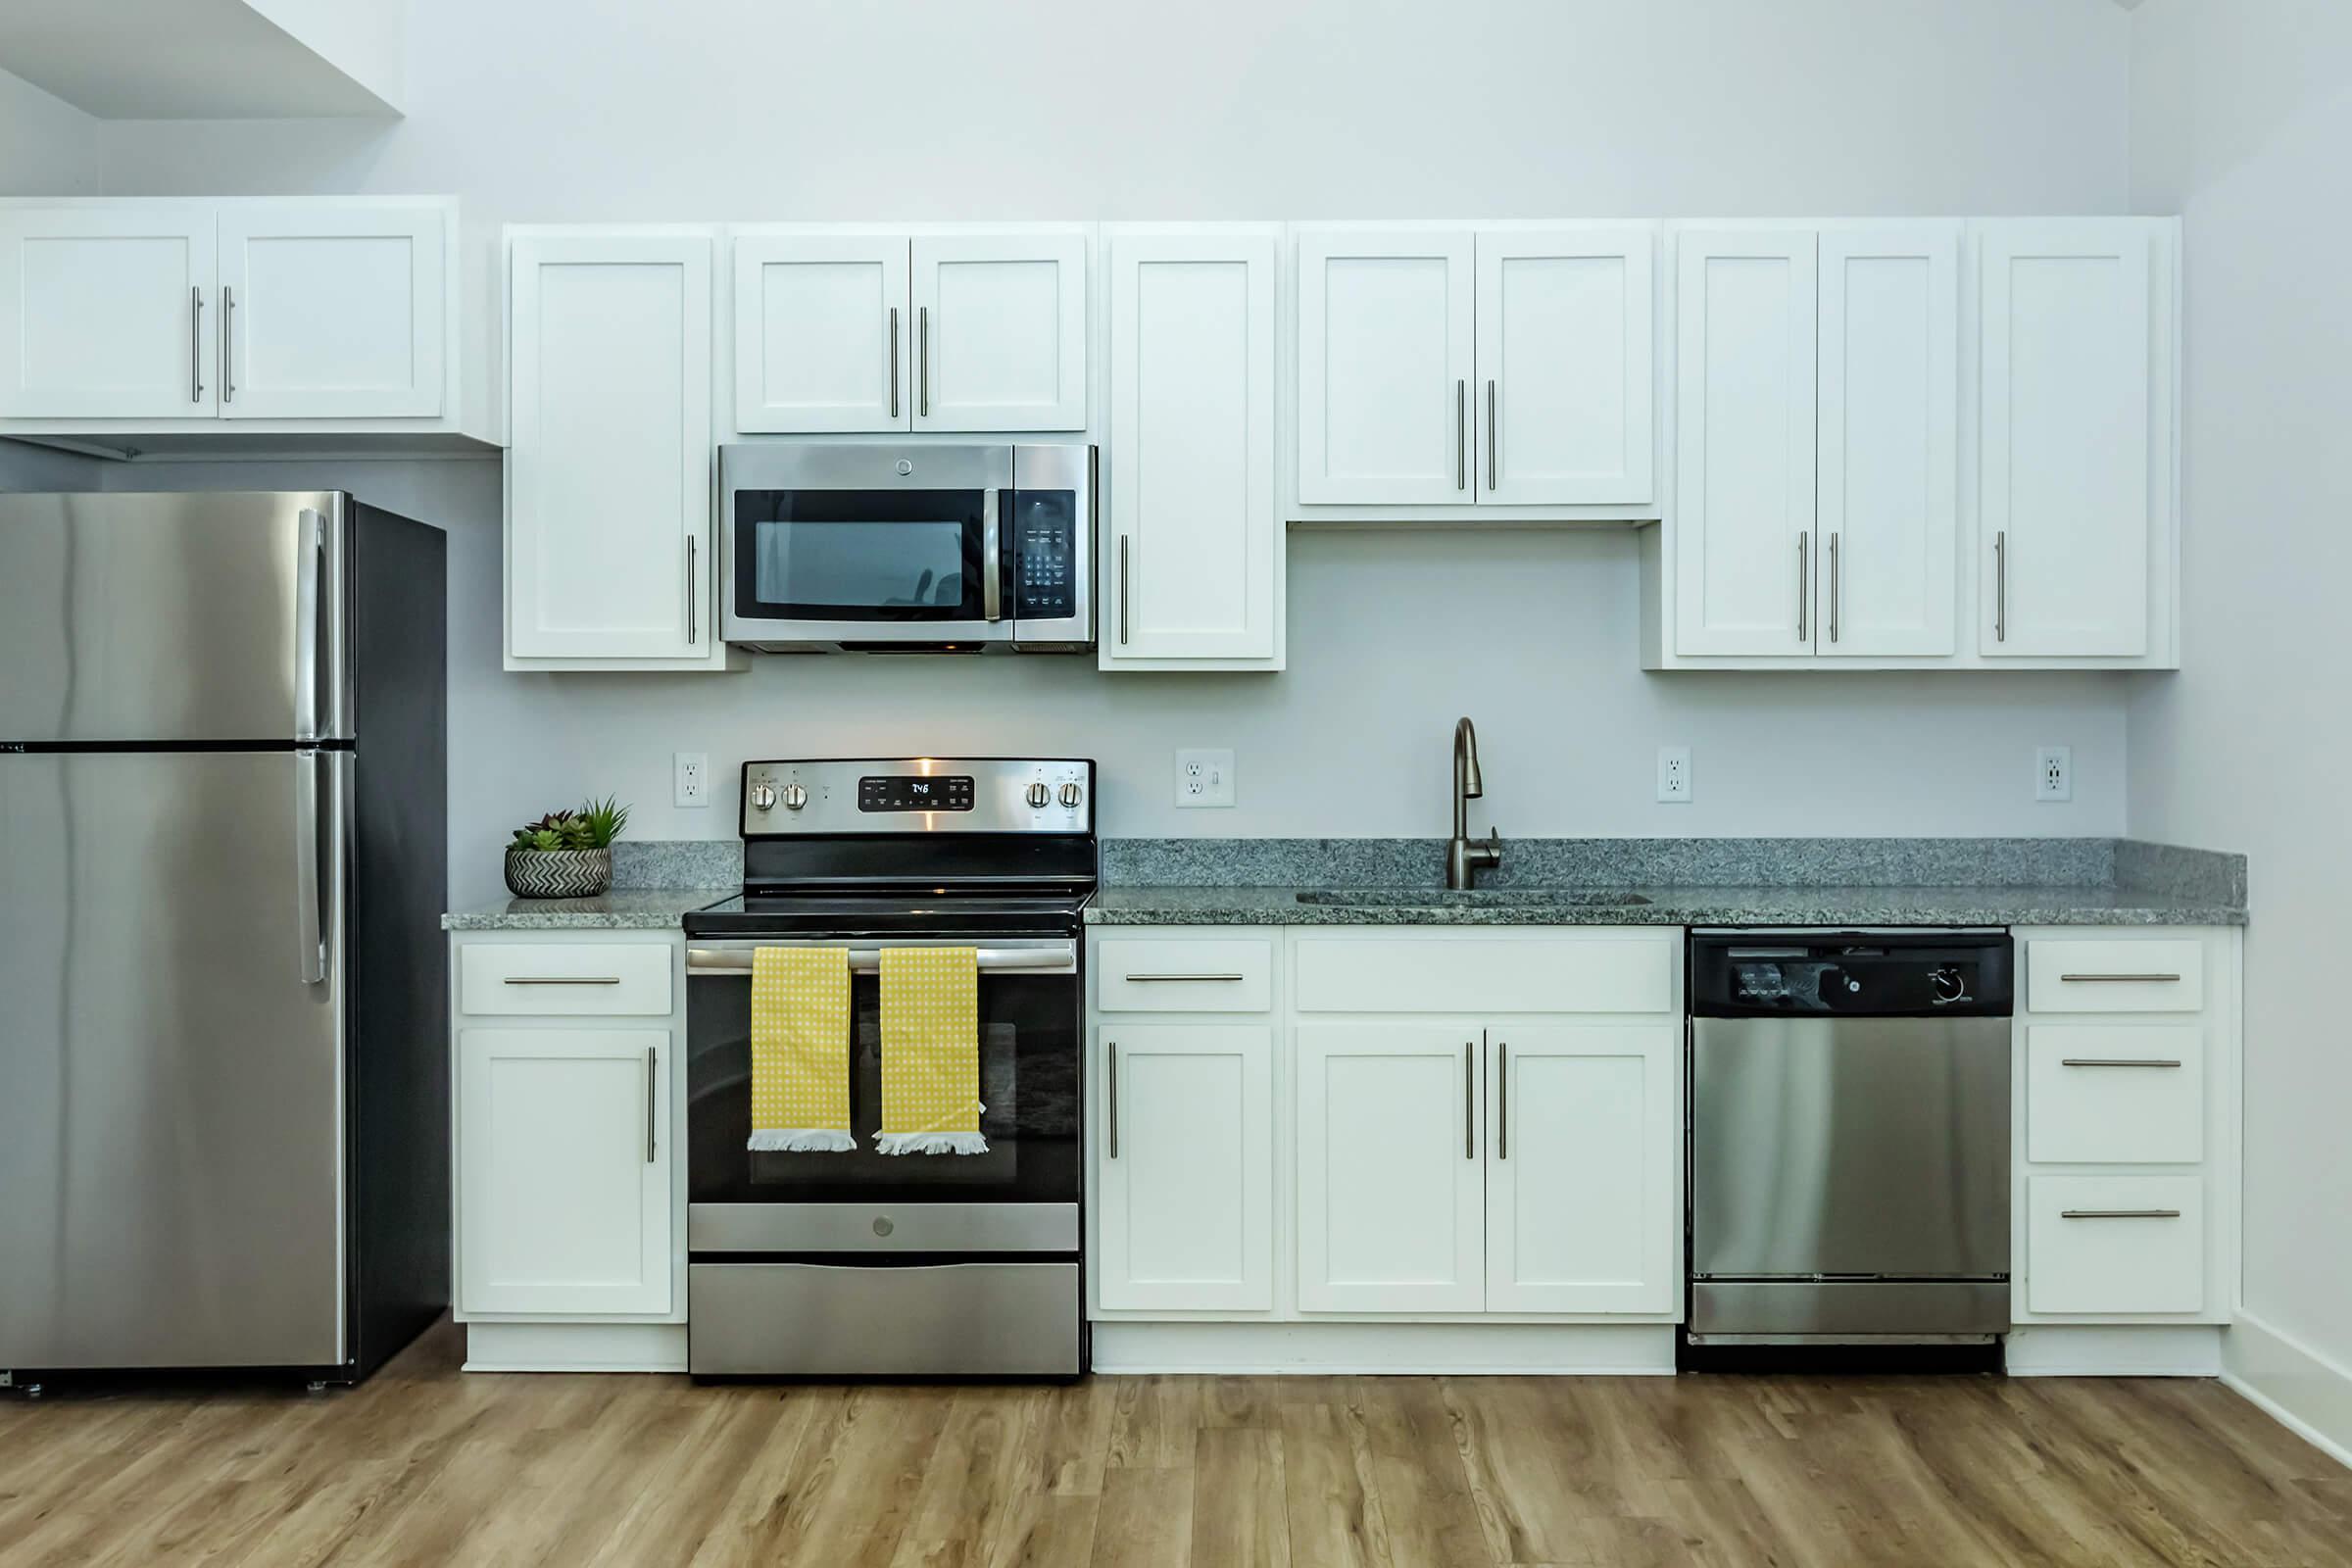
{"x": 1046, "y": 552}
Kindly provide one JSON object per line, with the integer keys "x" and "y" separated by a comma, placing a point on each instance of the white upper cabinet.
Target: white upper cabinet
{"x": 609, "y": 479}
{"x": 111, "y": 313}
{"x": 1386, "y": 352}
{"x": 1888, "y": 462}
{"x": 2073, "y": 479}
{"x": 1743, "y": 442}
{"x": 1564, "y": 327}
{"x": 1193, "y": 574}
{"x": 330, "y": 313}
{"x": 822, "y": 336}
{"x": 1000, "y": 330}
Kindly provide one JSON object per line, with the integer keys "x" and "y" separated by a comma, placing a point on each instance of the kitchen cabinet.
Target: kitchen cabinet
{"x": 1185, "y": 1178}
{"x": 564, "y": 1172}
{"x": 1503, "y": 366}
{"x": 610, "y": 562}
{"x": 1000, "y": 330}
{"x": 822, "y": 335}
{"x": 1193, "y": 557}
{"x": 172, "y": 316}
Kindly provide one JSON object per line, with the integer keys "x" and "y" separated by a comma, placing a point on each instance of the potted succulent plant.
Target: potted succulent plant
{"x": 566, "y": 855}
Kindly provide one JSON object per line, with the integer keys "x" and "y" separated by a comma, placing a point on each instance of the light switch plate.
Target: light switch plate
{"x": 1203, "y": 778}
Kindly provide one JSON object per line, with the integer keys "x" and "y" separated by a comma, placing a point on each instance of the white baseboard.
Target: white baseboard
{"x": 1280, "y": 1349}
{"x": 576, "y": 1346}
{"x": 2303, "y": 1391}
{"x": 2114, "y": 1351}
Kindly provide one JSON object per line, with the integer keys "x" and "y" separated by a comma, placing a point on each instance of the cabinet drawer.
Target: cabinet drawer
{"x": 566, "y": 978}
{"x": 1525, "y": 975}
{"x": 2127, "y": 1093}
{"x": 2115, "y": 1243}
{"x": 1184, "y": 975}
{"x": 2070, "y": 976}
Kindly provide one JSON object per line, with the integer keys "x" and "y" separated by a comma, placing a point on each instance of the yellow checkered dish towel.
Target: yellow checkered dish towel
{"x": 800, "y": 1051}
{"x": 930, "y": 1052}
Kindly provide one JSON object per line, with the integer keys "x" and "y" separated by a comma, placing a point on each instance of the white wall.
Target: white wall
{"x": 47, "y": 146}
{"x": 2243, "y": 117}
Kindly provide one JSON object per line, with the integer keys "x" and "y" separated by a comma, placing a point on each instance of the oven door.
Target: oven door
{"x": 1020, "y": 1196}
{"x": 838, "y": 545}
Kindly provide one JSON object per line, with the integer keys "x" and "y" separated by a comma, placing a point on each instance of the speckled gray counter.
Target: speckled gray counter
{"x": 621, "y": 909}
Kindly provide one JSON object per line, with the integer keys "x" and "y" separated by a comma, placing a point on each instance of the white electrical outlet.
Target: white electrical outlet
{"x": 690, "y": 774}
{"x": 1674, "y": 774}
{"x": 2054, "y": 773}
{"x": 1203, "y": 778}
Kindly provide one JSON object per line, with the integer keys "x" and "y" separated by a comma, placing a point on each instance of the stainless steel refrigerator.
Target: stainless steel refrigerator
{"x": 224, "y": 1068}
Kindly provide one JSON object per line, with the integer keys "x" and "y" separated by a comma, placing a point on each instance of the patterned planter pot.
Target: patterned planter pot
{"x": 559, "y": 873}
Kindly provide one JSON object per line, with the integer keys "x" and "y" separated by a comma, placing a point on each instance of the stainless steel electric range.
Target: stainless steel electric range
{"x": 862, "y": 1264}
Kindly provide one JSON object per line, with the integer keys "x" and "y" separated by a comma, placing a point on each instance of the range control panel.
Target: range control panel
{"x": 918, "y": 795}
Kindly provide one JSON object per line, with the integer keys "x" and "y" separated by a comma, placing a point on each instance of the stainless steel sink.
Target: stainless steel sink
{"x": 1473, "y": 898}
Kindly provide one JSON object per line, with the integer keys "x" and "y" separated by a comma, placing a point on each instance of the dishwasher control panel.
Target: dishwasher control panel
{"x": 1905, "y": 975}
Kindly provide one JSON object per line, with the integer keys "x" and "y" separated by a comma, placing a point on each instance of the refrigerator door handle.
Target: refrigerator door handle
{"x": 310, "y": 561}
{"x": 310, "y": 889}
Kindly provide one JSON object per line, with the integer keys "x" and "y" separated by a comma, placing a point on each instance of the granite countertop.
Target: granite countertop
{"x": 621, "y": 909}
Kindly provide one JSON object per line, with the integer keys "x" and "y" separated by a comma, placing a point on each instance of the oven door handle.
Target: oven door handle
{"x": 1056, "y": 958}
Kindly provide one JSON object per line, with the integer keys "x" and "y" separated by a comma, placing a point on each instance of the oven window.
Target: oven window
{"x": 1028, "y": 1082}
{"x": 853, "y": 555}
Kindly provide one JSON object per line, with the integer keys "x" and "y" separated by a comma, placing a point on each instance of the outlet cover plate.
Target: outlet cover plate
{"x": 690, "y": 778}
{"x": 1203, "y": 779}
{"x": 2054, "y": 773}
{"x": 1674, "y": 775}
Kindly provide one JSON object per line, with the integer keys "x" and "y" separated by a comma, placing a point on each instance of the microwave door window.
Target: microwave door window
{"x": 842, "y": 569}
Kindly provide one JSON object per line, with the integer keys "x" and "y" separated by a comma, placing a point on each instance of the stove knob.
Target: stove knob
{"x": 795, "y": 797}
{"x": 1071, "y": 795}
{"x": 1948, "y": 985}
{"x": 1038, "y": 796}
{"x": 764, "y": 796}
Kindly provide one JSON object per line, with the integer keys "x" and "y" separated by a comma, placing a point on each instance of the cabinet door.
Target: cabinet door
{"x": 1184, "y": 1171}
{"x": 1386, "y": 345}
{"x": 2065, "y": 487}
{"x": 1890, "y": 472}
{"x": 1583, "y": 1197}
{"x": 1564, "y": 415}
{"x": 107, "y": 314}
{"x": 1392, "y": 1185}
{"x": 1000, "y": 332}
{"x": 330, "y": 313}
{"x": 563, "y": 1170}
{"x": 1743, "y": 442}
{"x": 822, "y": 339}
{"x": 608, "y": 471}
{"x": 1195, "y": 537}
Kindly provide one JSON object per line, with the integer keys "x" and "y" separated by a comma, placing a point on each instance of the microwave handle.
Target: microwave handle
{"x": 992, "y": 560}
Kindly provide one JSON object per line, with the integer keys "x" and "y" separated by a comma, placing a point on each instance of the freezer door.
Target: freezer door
{"x": 214, "y": 617}
{"x": 1850, "y": 1147}
{"x": 172, "y": 1065}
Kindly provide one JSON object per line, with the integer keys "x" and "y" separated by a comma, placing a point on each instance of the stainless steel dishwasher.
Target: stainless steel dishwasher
{"x": 1849, "y": 1137}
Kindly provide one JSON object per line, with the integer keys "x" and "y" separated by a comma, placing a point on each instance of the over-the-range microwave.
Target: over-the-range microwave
{"x": 892, "y": 547}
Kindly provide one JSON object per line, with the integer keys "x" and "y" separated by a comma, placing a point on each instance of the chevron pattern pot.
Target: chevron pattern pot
{"x": 559, "y": 873}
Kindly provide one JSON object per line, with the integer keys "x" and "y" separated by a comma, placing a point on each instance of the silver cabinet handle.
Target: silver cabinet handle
{"x": 1503, "y": 1099}
{"x": 922, "y": 362}
{"x": 1835, "y": 575}
{"x": 309, "y": 869}
{"x": 693, "y": 550}
{"x": 992, "y": 566}
{"x": 1461, "y": 435}
{"x": 893, "y": 362}
{"x": 561, "y": 980}
{"x": 1122, "y": 590}
{"x": 1490, "y": 433}
{"x": 2116, "y": 1061}
{"x": 229, "y": 319}
{"x": 1804, "y": 585}
{"x": 1469, "y": 1099}
{"x": 195, "y": 343}
{"x": 652, "y": 1081}
{"x": 2121, "y": 979}
{"x": 1181, "y": 979}
{"x": 1111, "y": 1086}
{"x": 2000, "y": 586}
{"x": 2119, "y": 1213}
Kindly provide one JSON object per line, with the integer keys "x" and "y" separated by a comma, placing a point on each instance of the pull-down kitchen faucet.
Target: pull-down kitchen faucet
{"x": 1466, "y": 857}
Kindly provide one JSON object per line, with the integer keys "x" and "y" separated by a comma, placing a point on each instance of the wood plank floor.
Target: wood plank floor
{"x": 425, "y": 1465}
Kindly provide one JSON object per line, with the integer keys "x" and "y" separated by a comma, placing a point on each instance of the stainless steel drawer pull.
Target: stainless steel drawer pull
{"x": 652, "y": 1082}
{"x": 1111, "y": 1086}
{"x": 1835, "y": 593}
{"x": 228, "y": 330}
{"x": 693, "y": 588}
{"x": 1491, "y": 437}
{"x": 1503, "y": 1099}
{"x": 195, "y": 345}
{"x": 2121, "y": 979}
{"x": 561, "y": 980}
{"x": 2000, "y": 586}
{"x": 1122, "y": 590}
{"x": 1461, "y": 435}
{"x": 922, "y": 360}
{"x": 2119, "y": 1213}
{"x": 1804, "y": 583}
{"x": 893, "y": 362}
{"x": 2116, "y": 1061}
{"x": 1183, "y": 979}
{"x": 1469, "y": 1100}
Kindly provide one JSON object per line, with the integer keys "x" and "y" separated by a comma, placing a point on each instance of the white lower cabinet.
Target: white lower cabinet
{"x": 1185, "y": 1182}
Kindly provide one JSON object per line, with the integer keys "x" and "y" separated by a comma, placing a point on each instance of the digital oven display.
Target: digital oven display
{"x": 903, "y": 793}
